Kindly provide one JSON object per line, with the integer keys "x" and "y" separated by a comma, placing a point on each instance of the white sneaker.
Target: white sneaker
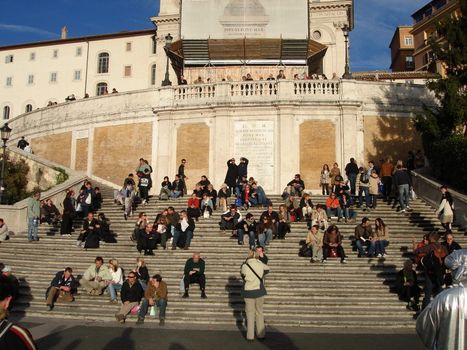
{"x": 344, "y": 261}
{"x": 403, "y": 211}
{"x": 379, "y": 256}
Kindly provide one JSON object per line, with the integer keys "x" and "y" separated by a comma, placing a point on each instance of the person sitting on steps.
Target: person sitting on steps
{"x": 194, "y": 273}
{"x": 131, "y": 294}
{"x": 155, "y": 296}
{"x": 333, "y": 241}
{"x": 183, "y": 231}
{"x": 62, "y": 288}
{"x": 96, "y": 277}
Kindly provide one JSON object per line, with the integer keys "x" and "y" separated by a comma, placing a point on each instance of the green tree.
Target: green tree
{"x": 15, "y": 181}
{"x": 443, "y": 127}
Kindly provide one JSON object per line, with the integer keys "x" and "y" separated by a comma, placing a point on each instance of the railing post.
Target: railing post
{"x": 286, "y": 89}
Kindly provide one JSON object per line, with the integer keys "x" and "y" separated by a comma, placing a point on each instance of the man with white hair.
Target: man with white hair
{"x": 442, "y": 324}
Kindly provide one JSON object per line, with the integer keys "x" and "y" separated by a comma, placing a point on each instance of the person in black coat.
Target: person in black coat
{"x": 131, "y": 294}
{"x": 232, "y": 174}
{"x": 90, "y": 233}
{"x": 69, "y": 214}
{"x": 407, "y": 286}
{"x": 147, "y": 240}
{"x": 243, "y": 167}
{"x": 105, "y": 234}
{"x": 63, "y": 286}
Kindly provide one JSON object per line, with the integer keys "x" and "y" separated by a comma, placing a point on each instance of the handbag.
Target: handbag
{"x": 88, "y": 199}
{"x": 135, "y": 309}
{"x": 261, "y": 281}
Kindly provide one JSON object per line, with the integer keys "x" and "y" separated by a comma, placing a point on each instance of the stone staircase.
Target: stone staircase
{"x": 300, "y": 294}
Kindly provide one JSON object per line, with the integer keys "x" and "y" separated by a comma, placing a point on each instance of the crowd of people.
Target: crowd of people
{"x": 356, "y": 187}
{"x": 249, "y": 77}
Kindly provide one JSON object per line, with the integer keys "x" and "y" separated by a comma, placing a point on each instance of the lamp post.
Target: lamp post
{"x": 168, "y": 42}
{"x": 5, "y": 134}
{"x": 347, "y": 74}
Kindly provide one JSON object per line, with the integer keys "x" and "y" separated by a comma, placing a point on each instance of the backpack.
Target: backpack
{"x": 364, "y": 178}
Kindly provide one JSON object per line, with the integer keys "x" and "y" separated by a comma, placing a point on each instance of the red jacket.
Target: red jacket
{"x": 332, "y": 203}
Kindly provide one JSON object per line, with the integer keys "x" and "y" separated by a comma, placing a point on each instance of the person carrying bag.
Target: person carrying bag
{"x": 252, "y": 272}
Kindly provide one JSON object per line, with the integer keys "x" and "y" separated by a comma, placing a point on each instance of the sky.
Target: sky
{"x": 31, "y": 20}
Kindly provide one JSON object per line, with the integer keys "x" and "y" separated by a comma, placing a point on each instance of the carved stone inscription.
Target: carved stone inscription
{"x": 254, "y": 140}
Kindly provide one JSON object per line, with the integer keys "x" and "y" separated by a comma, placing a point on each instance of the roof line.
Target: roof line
{"x": 79, "y": 39}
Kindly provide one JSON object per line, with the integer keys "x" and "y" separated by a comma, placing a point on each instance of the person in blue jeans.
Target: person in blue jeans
{"x": 156, "y": 296}
{"x": 116, "y": 283}
{"x": 34, "y": 216}
{"x": 184, "y": 228}
{"x": 402, "y": 182}
{"x": 363, "y": 187}
{"x": 364, "y": 236}
{"x": 247, "y": 226}
{"x": 264, "y": 231}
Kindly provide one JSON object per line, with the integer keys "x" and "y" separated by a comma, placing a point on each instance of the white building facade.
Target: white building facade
{"x": 34, "y": 74}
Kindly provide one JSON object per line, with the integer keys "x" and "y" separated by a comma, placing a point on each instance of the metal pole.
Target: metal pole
{"x": 3, "y": 171}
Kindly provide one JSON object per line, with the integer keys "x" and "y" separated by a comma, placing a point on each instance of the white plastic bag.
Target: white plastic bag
{"x": 182, "y": 285}
{"x": 413, "y": 195}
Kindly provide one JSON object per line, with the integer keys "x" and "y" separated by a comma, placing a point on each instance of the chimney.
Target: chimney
{"x": 64, "y": 34}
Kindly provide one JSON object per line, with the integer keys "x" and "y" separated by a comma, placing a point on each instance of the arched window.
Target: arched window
{"x": 6, "y": 112}
{"x": 153, "y": 74}
{"x": 103, "y": 64}
{"x": 101, "y": 89}
{"x": 28, "y": 108}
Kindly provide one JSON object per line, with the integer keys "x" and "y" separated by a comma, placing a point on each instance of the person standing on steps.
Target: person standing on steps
{"x": 402, "y": 182}
{"x": 194, "y": 273}
{"x": 243, "y": 168}
{"x": 232, "y": 175}
{"x": 445, "y": 209}
{"x": 34, "y": 216}
{"x": 351, "y": 171}
{"x": 182, "y": 175}
{"x": 254, "y": 291}
{"x": 69, "y": 214}
{"x": 12, "y": 336}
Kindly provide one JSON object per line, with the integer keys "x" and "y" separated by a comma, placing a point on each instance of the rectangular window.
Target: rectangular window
{"x": 154, "y": 44}
{"x": 30, "y": 79}
{"x": 128, "y": 46}
{"x": 9, "y": 59}
{"x": 409, "y": 63}
{"x": 127, "y": 72}
{"x": 9, "y": 81}
{"x": 32, "y": 56}
{"x": 53, "y": 77}
{"x": 55, "y": 54}
{"x": 79, "y": 51}
{"x": 408, "y": 40}
{"x": 77, "y": 75}
{"x": 153, "y": 74}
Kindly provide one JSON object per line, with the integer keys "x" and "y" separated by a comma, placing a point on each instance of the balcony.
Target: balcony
{"x": 250, "y": 91}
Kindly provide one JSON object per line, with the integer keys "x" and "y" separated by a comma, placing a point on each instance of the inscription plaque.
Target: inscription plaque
{"x": 254, "y": 140}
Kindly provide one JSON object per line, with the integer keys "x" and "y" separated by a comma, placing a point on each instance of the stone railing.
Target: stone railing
{"x": 251, "y": 91}
{"x": 428, "y": 189}
{"x": 320, "y": 87}
{"x": 15, "y": 215}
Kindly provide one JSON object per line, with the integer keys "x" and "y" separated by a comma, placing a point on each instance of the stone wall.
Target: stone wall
{"x": 56, "y": 148}
{"x": 317, "y": 147}
{"x": 81, "y": 163}
{"x": 118, "y": 148}
{"x": 193, "y": 145}
{"x": 390, "y": 137}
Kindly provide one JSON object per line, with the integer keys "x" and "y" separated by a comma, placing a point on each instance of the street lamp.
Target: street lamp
{"x": 5, "y": 134}
{"x": 168, "y": 42}
{"x": 347, "y": 74}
